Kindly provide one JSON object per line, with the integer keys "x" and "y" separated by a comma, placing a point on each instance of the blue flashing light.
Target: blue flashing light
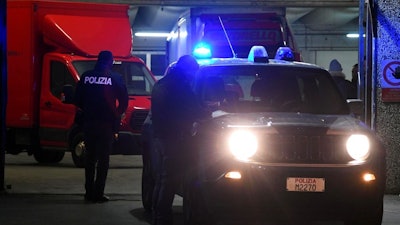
{"x": 202, "y": 51}
{"x": 284, "y": 53}
{"x": 258, "y": 54}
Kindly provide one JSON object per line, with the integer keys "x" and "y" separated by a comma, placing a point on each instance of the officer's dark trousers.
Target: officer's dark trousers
{"x": 98, "y": 143}
{"x": 168, "y": 179}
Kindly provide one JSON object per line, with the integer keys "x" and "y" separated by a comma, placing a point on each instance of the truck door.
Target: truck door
{"x": 56, "y": 117}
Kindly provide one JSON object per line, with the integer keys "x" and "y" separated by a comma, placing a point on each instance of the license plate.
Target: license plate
{"x": 305, "y": 184}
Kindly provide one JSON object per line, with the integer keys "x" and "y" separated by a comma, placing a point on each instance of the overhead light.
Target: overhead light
{"x": 353, "y": 35}
{"x": 152, "y": 34}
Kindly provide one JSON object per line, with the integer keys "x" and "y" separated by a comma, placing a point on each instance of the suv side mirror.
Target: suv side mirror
{"x": 68, "y": 93}
{"x": 356, "y": 107}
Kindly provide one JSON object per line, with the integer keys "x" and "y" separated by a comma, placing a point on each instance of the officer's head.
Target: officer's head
{"x": 187, "y": 66}
{"x": 104, "y": 60}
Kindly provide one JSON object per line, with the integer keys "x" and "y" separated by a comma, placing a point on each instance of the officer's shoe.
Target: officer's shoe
{"x": 89, "y": 198}
{"x": 102, "y": 199}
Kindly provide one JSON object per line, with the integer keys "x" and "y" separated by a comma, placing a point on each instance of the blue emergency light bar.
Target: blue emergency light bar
{"x": 202, "y": 51}
{"x": 284, "y": 53}
{"x": 258, "y": 54}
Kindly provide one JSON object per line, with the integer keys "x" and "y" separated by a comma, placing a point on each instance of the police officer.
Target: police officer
{"x": 96, "y": 95}
{"x": 174, "y": 108}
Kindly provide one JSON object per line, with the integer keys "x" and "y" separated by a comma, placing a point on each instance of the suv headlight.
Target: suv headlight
{"x": 243, "y": 144}
{"x": 358, "y": 147}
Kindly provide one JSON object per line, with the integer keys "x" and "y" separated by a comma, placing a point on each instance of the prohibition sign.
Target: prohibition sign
{"x": 388, "y": 70}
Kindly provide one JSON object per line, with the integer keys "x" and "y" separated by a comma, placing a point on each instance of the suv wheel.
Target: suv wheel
{"x": 194, "y": 210}
{"x": 373, "y": 218}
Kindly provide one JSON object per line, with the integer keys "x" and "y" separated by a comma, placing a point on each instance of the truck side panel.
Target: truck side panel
{"x": 23, "y": 68}
{"x": 89, "y": 27}
{"x": 90, "y": 37}
{"x": 179, "y": 43}
{"x": 77, "y": 27}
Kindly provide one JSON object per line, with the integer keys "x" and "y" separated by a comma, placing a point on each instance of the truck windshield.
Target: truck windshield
{"x": 244, "y": 31}
{"x": 242, "y": 40}
{"x": 244, "y": 88}
{"x": 137, "y": 78}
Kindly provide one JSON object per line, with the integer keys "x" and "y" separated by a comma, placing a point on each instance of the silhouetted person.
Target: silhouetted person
{"x": 345, "y": 86}
{"x": 174, "y": 109}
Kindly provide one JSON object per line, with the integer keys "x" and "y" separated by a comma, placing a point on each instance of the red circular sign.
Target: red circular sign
{"x": 388, "y": 72}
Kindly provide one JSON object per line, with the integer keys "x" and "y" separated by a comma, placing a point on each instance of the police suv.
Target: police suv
{"x": 282, "y": 145}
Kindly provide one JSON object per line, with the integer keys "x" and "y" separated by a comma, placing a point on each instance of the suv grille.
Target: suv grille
{"x": 303, "y": 149}
{"x": 138, "y": 118}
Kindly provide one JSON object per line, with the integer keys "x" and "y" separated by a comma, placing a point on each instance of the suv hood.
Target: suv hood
{"x": 337, "y": 122}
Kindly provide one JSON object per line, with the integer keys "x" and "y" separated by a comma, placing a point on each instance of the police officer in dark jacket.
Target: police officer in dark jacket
{"x": 96, "y": 95}
{"x": 174, "y": 108}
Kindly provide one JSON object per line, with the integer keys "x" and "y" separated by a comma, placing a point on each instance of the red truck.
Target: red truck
{"x": 231, "y": 32}
{"x": 49, "y": 45}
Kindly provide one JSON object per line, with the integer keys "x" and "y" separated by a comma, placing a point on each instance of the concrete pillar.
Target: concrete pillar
{"x": 386, "y": 49}
{"x": 3, "y": 88}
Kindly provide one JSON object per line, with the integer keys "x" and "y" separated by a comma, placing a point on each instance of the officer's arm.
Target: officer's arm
{"x": 123, "y": 98}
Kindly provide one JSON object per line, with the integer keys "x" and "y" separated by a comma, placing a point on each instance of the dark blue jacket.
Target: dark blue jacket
{"x": 96, "y": 95}
{"x": 174, "y": 106}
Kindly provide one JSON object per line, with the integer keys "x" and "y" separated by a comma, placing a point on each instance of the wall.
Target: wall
{"x": 387, "y": 47}
{"x": 323, "y": 58}
{"x": 155, "y": 60}
{"x": 320, "y": 49}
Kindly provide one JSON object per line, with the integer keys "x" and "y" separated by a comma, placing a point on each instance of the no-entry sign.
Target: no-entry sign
{"x": 391, "y": 81}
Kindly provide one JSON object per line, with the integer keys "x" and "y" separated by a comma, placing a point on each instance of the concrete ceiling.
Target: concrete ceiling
{"x": 318, "y": 19}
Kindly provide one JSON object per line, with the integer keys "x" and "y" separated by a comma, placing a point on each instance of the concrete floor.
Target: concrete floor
{"x": 39, "y": 194}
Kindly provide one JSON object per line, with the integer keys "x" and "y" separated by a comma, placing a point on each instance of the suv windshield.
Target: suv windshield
{"x": 137, "y": 78}
{"x": 245, "y": 88}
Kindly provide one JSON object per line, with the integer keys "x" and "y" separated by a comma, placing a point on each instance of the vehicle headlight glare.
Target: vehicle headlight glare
{"x": 243, "y": 144}
{"x": 358, "y": 146}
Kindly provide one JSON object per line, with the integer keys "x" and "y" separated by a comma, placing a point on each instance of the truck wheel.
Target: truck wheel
{"x": 78, "y": 151}
{"x": 48, "y": 156}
